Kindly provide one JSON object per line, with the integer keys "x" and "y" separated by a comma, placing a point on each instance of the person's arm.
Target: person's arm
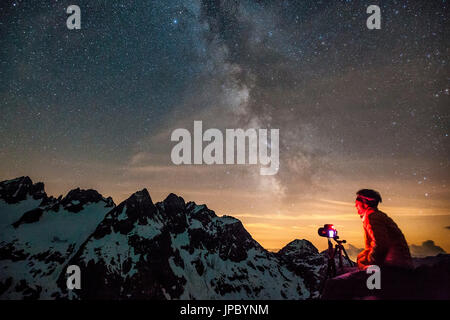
{"x": 361, "y": 260}
{"x": 379, "y": 240}
{"x": 362, "y": 254}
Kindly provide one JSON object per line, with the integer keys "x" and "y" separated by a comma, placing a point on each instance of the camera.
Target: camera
{"x": 328, "y": 231}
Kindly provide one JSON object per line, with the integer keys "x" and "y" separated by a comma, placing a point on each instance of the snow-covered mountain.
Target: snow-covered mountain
{"x": 140, "y": 250}
{"x": 39, "y": 234}
{"x": 303, "y": 258}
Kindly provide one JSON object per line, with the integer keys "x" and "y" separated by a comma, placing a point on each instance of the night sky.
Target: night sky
{"x": 356, "y": 108}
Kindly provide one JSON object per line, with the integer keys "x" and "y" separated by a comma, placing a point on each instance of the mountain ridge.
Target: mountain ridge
{"x": 137, "y": 249}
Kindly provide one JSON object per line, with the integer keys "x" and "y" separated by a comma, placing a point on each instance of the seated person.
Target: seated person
{"x": 385, "y": 244}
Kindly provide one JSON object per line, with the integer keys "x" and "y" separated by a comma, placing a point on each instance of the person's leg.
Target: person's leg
{"x": 397, "y": 284}
{"x": 348, "y": 286}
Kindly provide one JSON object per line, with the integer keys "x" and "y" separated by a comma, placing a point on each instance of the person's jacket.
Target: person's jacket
{"x": 385, "y": 244}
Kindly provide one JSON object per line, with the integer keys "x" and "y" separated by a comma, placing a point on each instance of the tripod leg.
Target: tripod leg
{"x": 333, "y": 263}
{"x": 331, "y": 272}
{"x": 339, "y": 250}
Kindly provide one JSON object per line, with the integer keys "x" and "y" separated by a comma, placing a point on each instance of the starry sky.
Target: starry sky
{"x": 356, "y": 108}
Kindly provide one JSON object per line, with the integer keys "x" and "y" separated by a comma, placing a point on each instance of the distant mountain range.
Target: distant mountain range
{"x": 140, "y": 250}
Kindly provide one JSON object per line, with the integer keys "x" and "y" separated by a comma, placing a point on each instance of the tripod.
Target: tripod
{"x": 331, "y": 269}
{"x": 338, "y": 249}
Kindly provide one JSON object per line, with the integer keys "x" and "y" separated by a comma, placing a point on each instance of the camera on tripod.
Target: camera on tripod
{"x": 328, "y": 231}
{"x": 334, "y": 252}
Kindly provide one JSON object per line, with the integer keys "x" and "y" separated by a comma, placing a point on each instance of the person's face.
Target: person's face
{"x": 360, "y": 206}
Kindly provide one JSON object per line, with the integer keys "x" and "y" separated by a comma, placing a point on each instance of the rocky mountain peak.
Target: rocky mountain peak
{"x": 174, "y": 204}
{"x": 75, "y": 199}
{"x": 16, "y": 190}
{"x": 138, "y": 207}
{"x": 140, "y": 202}
{"x": 299, "y": 247}
{"x": 109, "y": 202}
